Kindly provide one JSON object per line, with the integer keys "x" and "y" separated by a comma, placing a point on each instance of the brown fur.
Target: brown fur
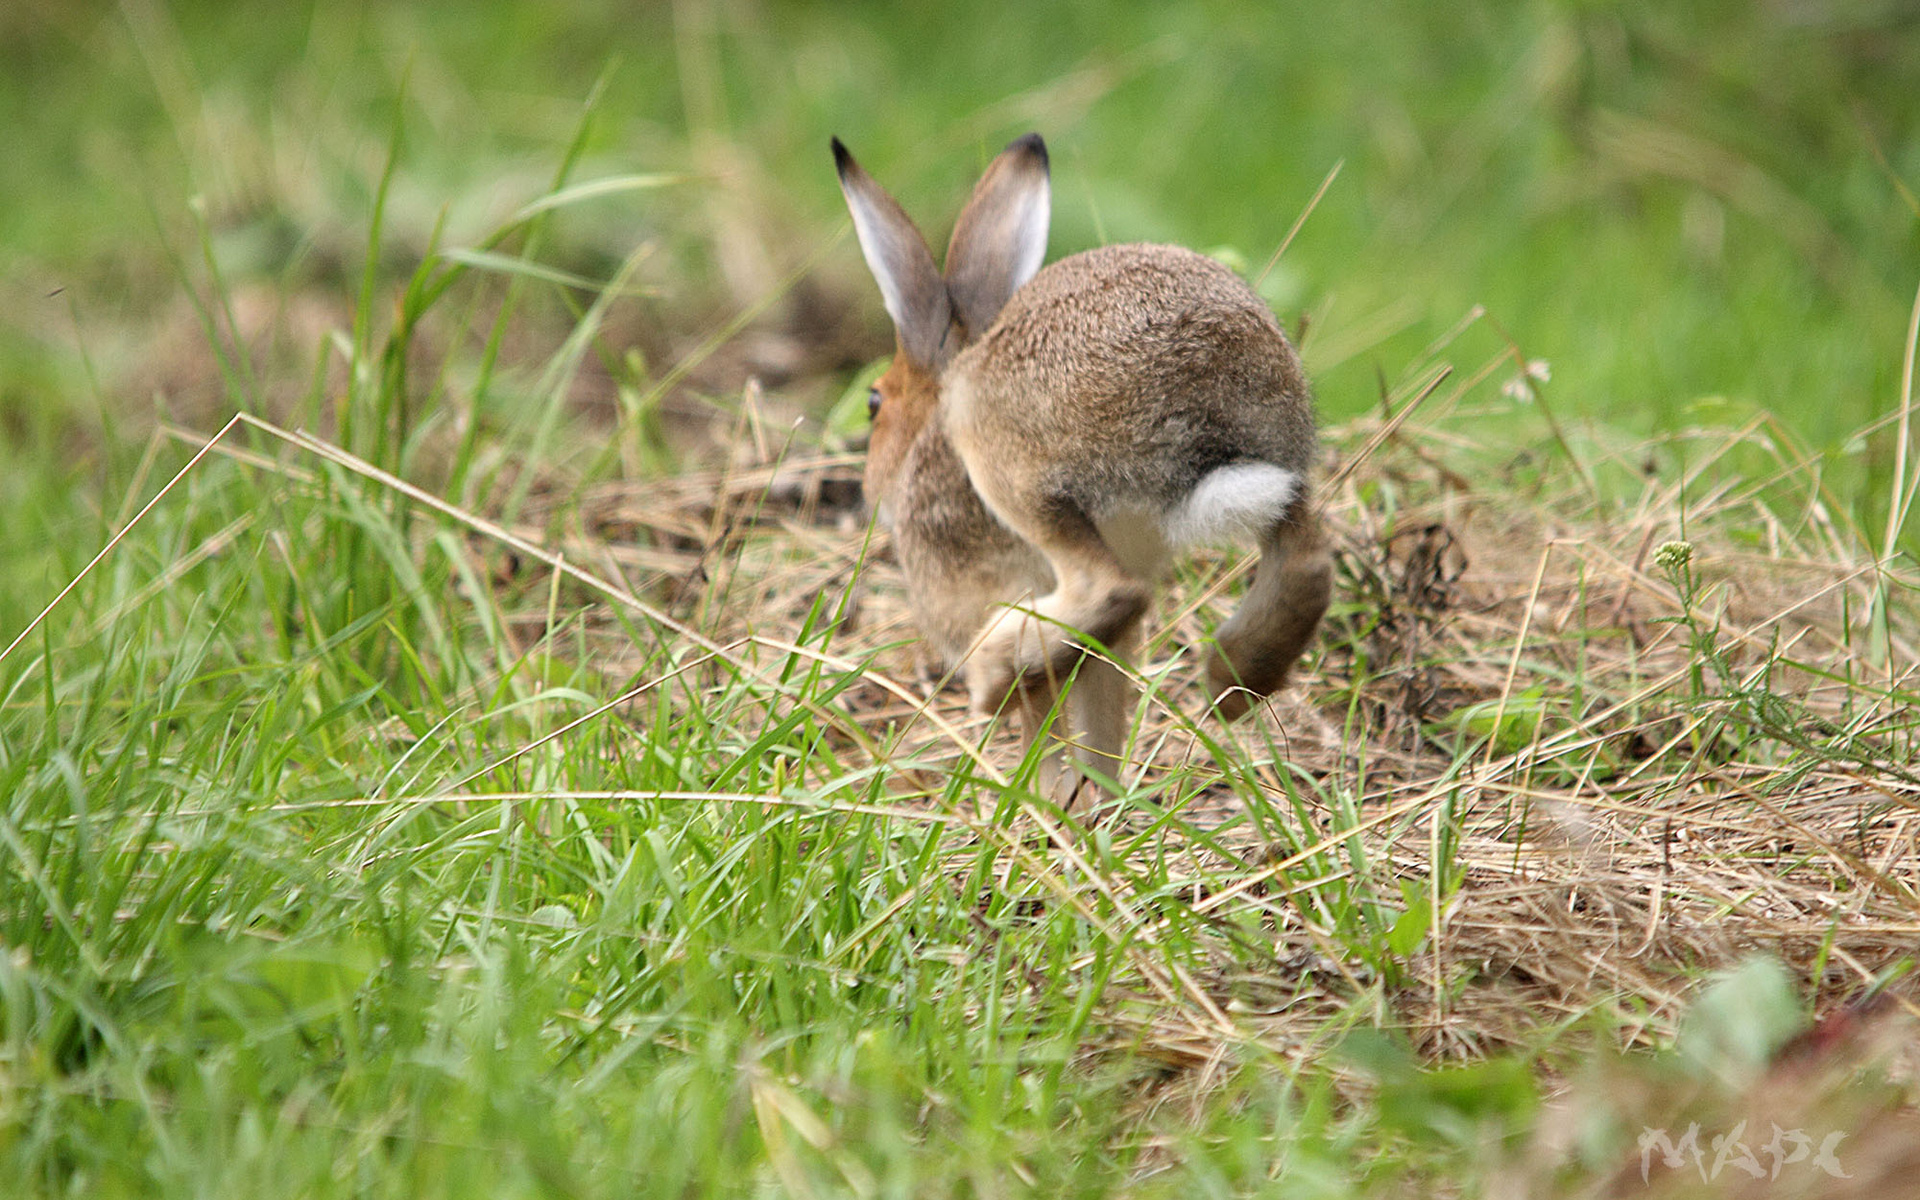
{"x": 961, "y": 564}
{"x": 1026, "y": 413}
{"x": 1124, "y": 374}
{"x": 1259, "y": 644}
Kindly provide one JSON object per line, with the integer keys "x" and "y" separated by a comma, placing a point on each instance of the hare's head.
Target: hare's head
{"x": 998, "y": 243}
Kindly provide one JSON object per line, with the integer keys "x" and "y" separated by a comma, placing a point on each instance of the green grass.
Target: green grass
{"x": 243, "y": 954}
{"x": 1669, "y": 206}
{"x": 350, "y": 844}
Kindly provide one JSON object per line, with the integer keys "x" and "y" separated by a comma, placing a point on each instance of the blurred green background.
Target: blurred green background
{"x": 1691, "y": 212}
{"x": 250, "y": 955}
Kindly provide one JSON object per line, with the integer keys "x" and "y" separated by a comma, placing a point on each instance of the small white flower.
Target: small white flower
{"x": 1673, "y": 556}
{"x": 1520, "y": 387}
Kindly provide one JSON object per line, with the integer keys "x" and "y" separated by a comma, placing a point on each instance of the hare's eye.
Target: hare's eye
{"x": 873, "y": 403}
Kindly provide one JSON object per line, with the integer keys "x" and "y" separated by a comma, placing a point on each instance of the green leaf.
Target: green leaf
{"x": 1411, "y": 927}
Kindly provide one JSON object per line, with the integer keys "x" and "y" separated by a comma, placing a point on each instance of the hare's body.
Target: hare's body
{"x": 962, "y": 564}
{"x": 1045, "y": 438}
{"x": 1051, "y": 406}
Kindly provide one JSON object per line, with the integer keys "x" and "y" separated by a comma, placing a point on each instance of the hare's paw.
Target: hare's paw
{"x": 989, "y": 682}
{"x": 994, "y": 667}
{"x": 1231, "y": 697}
{"x": 1016, "y": 647}
{"x": 1233, "y": 702}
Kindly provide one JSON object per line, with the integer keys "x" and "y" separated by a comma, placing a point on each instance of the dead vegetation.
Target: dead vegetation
{"x": 1591, "y": 718}
{"x": 1649, "y": 725}
{"x": 1581, "y": 729}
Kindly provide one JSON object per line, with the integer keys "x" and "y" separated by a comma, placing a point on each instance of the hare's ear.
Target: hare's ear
{"x": 915, "y": 295}
{"x": 1000, "y": 239}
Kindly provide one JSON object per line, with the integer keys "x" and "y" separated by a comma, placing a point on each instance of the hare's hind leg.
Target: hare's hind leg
{"x": 1091, "y": 735}
{"x": 1095, "y": 597}
{"x": 1034, "y": 704}
{"x": 1087, "y": 740}
{"x": 1259, "y": 644}
{"x": 1102, "y": 703}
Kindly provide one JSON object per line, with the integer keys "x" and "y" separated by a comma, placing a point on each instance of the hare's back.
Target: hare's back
{"x": 1140, "y": 279}
{"x": 1132, "y": 370}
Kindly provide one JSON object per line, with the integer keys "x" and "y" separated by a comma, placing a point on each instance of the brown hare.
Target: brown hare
{"x": 1044, "y": 438}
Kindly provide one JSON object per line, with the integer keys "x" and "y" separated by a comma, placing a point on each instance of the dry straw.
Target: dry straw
{"x": 1649, "y": 728}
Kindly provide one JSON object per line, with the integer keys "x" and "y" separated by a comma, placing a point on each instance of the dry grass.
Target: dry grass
{"x": 1620, "y": 713}
{"x": 1633, "y": 772}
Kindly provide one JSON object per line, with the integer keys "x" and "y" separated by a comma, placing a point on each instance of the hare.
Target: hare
{"x": 1045, "y": 438}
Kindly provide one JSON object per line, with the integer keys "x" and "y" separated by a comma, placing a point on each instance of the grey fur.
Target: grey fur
{"x": 1099, "y": 393}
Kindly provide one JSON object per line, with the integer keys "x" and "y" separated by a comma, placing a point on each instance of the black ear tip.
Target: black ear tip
{"x": 841, "y": 158}
{"x": 1032, "y": 144}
